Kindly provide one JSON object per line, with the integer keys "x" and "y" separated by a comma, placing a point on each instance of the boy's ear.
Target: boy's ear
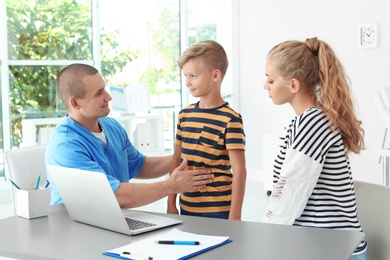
{"x": 217, "y": 74}
{"x": 295, "y": 85}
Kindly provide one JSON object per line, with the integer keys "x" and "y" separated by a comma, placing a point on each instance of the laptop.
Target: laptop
{"x": 89, "y": 199}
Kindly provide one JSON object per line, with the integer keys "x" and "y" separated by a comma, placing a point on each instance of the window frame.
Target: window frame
{"x": 230, "y": 43}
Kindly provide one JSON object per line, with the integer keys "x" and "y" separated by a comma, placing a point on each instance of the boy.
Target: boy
{"x": 210, "y": 135}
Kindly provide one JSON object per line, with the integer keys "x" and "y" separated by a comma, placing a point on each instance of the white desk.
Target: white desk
{"x": 58, "y": 237}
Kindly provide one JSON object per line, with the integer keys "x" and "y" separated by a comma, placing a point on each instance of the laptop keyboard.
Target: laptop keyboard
{"x": 137, "y": 224}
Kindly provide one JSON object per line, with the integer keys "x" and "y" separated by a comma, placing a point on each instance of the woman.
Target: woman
{"x": 313, "y": 183}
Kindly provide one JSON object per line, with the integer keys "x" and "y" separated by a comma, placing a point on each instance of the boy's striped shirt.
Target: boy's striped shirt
{"x": 205, "y": 136}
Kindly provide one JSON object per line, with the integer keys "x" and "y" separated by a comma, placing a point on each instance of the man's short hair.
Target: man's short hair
{"x": 70, "y": 81}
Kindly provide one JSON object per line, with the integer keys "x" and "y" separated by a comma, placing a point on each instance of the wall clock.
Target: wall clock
{"x": 369, "y": 35}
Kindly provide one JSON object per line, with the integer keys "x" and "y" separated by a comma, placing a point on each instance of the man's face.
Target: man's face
{"x": 95, "y": 102}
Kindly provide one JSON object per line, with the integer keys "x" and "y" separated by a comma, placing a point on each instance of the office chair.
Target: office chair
{"x": 373, "y": 206}
{"x": 24, "y": 167}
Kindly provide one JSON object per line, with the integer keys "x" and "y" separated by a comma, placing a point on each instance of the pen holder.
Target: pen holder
{"x": 31, "y": 203}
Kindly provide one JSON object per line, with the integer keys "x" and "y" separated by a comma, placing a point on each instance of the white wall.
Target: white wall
{"x": 263, "y": 24}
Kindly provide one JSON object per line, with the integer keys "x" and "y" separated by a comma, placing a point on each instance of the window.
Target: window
{"x": 1, "y": 127}
{"x": 42, "y": 37}
{"x": 135, "y": 45}
{"x": 207, "y": 20}
{"x": 157, "y": 32}
{"x": 150, "y": 31}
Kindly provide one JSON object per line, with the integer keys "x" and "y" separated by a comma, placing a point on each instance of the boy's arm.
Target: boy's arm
{"x": 237, "y": 160}
{"x": 172, "y": 209}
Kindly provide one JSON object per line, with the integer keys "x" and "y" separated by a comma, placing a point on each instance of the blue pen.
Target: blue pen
{"x": 115, "y": 255}
{"x": 47, "y": 184}
{"x": 178, "y": 242}
{"x": 39, "y": 179}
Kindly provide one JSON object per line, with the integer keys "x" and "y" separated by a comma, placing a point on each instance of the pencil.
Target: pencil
{"x": 37, "y": 185}
{"x": 13, "y": 183}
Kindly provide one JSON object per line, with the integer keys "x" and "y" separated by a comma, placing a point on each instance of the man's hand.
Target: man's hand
{"x": 182, "y": 181}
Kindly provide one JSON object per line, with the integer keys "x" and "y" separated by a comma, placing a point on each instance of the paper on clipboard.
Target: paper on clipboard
{"x": 150, "y": 249}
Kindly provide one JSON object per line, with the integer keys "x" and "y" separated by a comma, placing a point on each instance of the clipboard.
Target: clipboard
{"x": 149, "y": 248}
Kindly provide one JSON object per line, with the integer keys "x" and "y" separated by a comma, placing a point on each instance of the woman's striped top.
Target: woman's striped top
{"x": 205, "y": 136}
{"x": 313, "y": 183}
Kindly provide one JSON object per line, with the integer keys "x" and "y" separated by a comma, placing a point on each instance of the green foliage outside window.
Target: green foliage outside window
{"x": 43, "y": 30}
{"x": 51, "y": 30}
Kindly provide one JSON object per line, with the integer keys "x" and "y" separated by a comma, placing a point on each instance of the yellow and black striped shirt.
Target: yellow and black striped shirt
{"x": 205, "y": 136}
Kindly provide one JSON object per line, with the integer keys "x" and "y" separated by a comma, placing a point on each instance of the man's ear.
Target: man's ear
{"x": 73, "y": 103}
{"x": 295, "y": 85}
